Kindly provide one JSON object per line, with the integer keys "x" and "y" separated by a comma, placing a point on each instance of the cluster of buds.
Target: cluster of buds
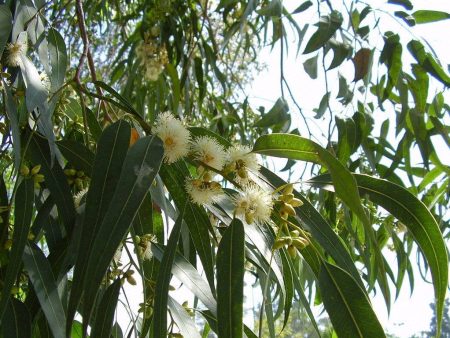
{"x": 153, "y": 56}
{"x": 293, "y": 242}
{"x": 76, "y": 178}
{"x": 33, "y": 173}
{"x": 128, "y": 276}
{"x": 288, "y": 202}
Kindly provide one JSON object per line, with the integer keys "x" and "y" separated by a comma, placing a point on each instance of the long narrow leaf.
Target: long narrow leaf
{"x": 23, "y": 211}
{"x": 41, "y": 276}
{"x": 17, "y": 321}
{"x": 230, "y": 281}
{"x": 163, "y": 281}
{"x": 105, "y": 311}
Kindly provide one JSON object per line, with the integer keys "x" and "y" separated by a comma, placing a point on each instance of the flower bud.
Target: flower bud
{"x": 35, "y": 169}
{"x": 295, "y": 202}
{"x": 24, "y": 170}
{"x": 292, "y": 251}
{"x": 288, "y": 189}
{"x": 287, "y": 208}
{"x": 300, "y": 243}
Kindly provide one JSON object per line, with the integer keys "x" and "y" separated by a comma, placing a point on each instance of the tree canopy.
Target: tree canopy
{"x": 133, "y": 156}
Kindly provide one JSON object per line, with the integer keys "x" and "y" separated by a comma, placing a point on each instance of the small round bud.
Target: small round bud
{"x": 24, "y": 170}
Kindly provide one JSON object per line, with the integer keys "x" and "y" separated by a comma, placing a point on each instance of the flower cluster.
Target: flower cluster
{"x": 153, "y": 57}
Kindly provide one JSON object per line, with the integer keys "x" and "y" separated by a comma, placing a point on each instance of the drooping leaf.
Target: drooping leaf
{"x": 277, "y": 118}
{"x": 391, "y": 55}
{"x": 404, "y": 3}
{"x": 58, "y": 59}
{"x": 12, "y": 113}
{"x": 163, "y": 281}
{"x": 16, "y": 322}
{"x": 323, "y": 105}
{"x": 184, "y": 322}
{"x": 41, "y": 276}
{"x": 230, "y": 281}
{"x": 138, "y": 172}
{"x": 105, "y": 312}
{"x": 347, "y": 304}
{"x": 310, "y": 66}
{"x": 23, "y": 211}
{"x": 303, "y": 7}
{"x": 111, "y": 151}
{"x": 5, "y": 26}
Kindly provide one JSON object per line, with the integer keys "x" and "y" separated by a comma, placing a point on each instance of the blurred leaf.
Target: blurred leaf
{"x": 391, "y": 56}
{"x": 58, "y": 59}
{"x": 341, "y": 51}
{"x": 426, "y": 16}
{"x": 163, "y": 281}
{"x": 41, "y": 275}
{"x": 404, "y": 3}
{"x": 277, "y": 117}
{"x": 347, "y": 304}
{"x": 111, "y": 151}
{"x": 409, "y": 19}
{"x": 23, "y": 212}
{"x": 303, "y": 7}
{"x": 274, "y": 8}
{"x": 328, "y": 25}
{"x": 230, "y": 281}
{"x": 139, "y": 170}
{"x": 361, "y": 62}
{"x": 310, "y": 66}
{"x": 16, "y": 322}
{"x": 175, "y": 86}
{"x": 77, "y": 154}
{"x": 322, "y": 106}
{"x": 5, "y": 26}
{"x": 427, "y": 61}
{"x": 105, "y": 312}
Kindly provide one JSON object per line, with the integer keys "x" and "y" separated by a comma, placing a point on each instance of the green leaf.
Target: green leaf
{"x": 78, "y": 155}
{"x": 391, "y": 55}
{"x": 23, "y": 211}
{"x": 12, "y": 113}
{"x": 230, "y": 281}
{"x": 58, "y": 59}
{"x": 139, "y": 170}
{"x": 184, "y": 322}
{"x": 419, "y": 221}
{"x": 427, "y": 61}
{"x": 105, "y": 312}
{"x": 299, "y": 148}
{"x": 347, "y": 304}
{"x": 41, "y": 275}
{"x": 274, "y": 8}
{"x": 163, "y": 281}
{"x": 111, "y": 151}
{"x": 5, "y": 26}
{"x": 323, "y": 105}
{"x": 426, "y": 16}
{"x": 190, "y": 277}
{"x": 310, "y": 66}
{"x": 55, "y": 180}
{"x": 175, "y": 86}
{"x": 16, "y": 322}
{"x": 328, "y": 25}
{"x": 303, "y": 7}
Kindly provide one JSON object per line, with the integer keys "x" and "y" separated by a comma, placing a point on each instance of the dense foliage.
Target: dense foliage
{"x": 131, "y": 153}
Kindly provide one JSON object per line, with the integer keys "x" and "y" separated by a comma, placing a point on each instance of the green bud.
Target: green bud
{"x": 24, "y": 170}
{"x": 35, "y": 169}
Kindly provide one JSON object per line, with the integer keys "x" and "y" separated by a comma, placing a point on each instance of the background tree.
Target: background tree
{"x": 131, "y": 153}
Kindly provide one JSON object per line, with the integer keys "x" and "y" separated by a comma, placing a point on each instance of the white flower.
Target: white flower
{"x": 242, "y": 161}
{"x": 174, "y": 135}
{"x": 15, "y": 52}
{"x": 204, "y": 192}
{"x": 45, "y": 81}
{"x": 79, "y": 197}
{"x": 254, "y": 204}
{"x": 209, "y": 151}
